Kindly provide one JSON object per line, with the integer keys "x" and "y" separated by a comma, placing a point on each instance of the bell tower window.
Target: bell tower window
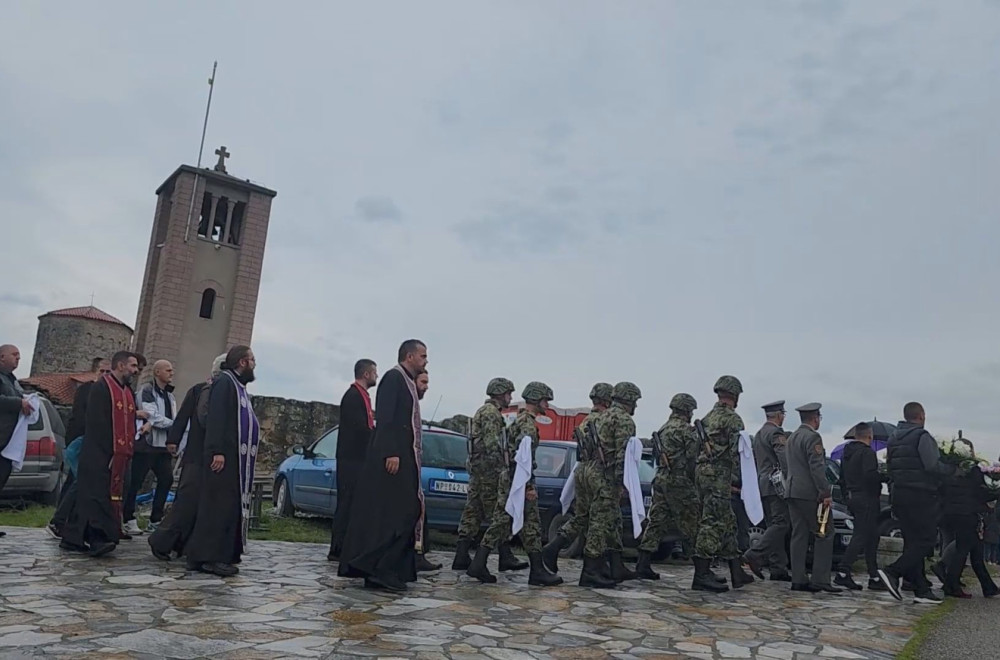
{"x": 207, "y": 304}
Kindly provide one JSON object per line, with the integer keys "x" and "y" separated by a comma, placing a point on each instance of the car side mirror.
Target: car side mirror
{"x": 298, "y": 449}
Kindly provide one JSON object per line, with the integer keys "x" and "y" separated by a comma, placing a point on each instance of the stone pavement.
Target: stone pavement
{"x": 287, "y": 602}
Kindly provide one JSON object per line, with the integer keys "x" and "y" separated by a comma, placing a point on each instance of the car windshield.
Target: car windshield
{"x": 550, "y": 461}
{"x": 646, "y": 469}
{"x": 444, "y": 451}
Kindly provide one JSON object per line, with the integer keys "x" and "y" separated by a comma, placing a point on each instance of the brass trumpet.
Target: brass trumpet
{"x": 823, "y": 517}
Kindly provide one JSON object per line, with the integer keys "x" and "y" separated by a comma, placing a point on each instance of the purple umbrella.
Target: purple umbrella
{"x": 878, "y": 444}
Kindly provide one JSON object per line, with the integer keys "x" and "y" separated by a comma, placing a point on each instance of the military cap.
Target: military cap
{"x": 536, "y": 391}
{"x": 499, "y": 387}
{"x": 729, "y": 385}
{"x": 776, "y": 406}
{"x": 626, "y": 392}
{"x": 683, "y": 402}
{"x": 601, "y": 392}
{"x": 809, "y": 408}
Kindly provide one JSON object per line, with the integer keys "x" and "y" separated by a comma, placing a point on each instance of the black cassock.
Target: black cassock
{"x": 380, "y": 535}
{"x": 217, "y": 537}
{"x": 91, "y": 518}
{"x": 353, "y": 439}
{"x": 176, "y": 528}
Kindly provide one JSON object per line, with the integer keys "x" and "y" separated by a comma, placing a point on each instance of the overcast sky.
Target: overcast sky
{"x": 794, "y": 193}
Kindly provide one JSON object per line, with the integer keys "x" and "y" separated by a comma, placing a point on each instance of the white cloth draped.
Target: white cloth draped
{"x": 750, "y": 492}
{"x": 569, "y": 490}
{"x": 633, "y": 454}
{"x": 518, "y": 487}
{"x": 18, "y": 445}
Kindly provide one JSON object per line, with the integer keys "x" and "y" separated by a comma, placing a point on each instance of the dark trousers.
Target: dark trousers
{"x": 742, "y": 522}
{"x": 5, "y": 468}
{"x": 142, "y": 463}
{"x": 865, "y": 509}
{"x": 918, "y": 513}
{"x": 805, "y": 529}
{"x": 771, "y": 547}
{"x": 965, "y": 529}
{"x": 66, "y": 498}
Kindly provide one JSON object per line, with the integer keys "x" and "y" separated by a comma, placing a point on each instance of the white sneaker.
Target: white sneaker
{"x": 151, "y": 527}
{"x": 132, "y": 527}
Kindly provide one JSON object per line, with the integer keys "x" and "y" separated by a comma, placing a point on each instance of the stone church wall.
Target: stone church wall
{"x": 67, "y": 344}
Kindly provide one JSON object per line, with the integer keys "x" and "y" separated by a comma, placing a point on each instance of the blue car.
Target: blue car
{"x": 306, "y": 481}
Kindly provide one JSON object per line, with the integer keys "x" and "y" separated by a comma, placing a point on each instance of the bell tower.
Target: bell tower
{"x": 203, "y": 267}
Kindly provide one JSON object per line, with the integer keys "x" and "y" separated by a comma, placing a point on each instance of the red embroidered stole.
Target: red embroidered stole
{"x": 122, "y": 437}
{"x": 368, "y": 405}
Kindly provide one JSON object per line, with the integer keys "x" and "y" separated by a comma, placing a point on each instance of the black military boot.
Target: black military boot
{"x": 550, "y": 553}
{"x": 462, "y": 559}
{"x": 508, "y": 561}
{"x": 738, "y": 575}
{"x": 591, "y": 575}
{"x": 619, "y": 572}
{"x": 642, "y": 568}
{"x": 703, "y": 580}
{"x": 478, "y": 569}
{"x": 539, "y": 575}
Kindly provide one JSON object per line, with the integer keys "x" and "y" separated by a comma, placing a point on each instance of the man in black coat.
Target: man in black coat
{"x": 357, "y": 422}
{"x": 13, "y": 404}
{"x": 192, "y": 416}
{"x": 862, "y": 484}
{"x": 232, "y": 435}
{"x": 386, "y": 525}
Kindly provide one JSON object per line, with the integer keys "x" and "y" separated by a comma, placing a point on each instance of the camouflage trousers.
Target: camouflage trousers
{"x": 501, "y": 522}
{"x": 596, "y": 513}
{"x": 717, "y": 526}
{"x": 480, "y": 501}
{"x": 674, "y": 507}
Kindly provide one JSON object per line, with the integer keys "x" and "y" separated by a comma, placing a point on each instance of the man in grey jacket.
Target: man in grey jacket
{"x": 807, "y": 488}
{"x": 769, "y": 454}
{"x": 157, "y": 399}
{"x": 13, "y": 404}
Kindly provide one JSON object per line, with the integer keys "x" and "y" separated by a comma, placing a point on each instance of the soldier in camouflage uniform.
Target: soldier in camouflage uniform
{"x": 536, "y": 401}
{"x": 589, "y": 480}
{"x": 675, "y": 502}
{"x": 614, "y": 429}
{"x": 717, "y": 467}
{"x": 485, "y": 467}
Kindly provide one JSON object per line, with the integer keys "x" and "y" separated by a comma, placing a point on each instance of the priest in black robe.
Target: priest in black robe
{"x": 94, "y": 522}
{"x": 232, "y": 434}
{"x": 386, "y": 526}
{"x": 357, "y": 422}
{"x": 173, "y": 533}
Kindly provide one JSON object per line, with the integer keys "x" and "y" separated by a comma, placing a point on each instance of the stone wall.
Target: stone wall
{"x": 285, "y": 423}
{"x": 67, "y": 344}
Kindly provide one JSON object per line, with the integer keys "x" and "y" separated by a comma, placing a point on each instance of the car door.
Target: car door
{"x": 315, "y": 480}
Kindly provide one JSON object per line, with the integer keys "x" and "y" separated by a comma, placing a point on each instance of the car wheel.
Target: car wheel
{"x": 282, "y": 502}
{"x": 890, "y": 527}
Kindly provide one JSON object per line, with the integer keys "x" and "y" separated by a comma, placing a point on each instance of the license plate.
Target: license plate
{"x": 450, "y": 487}
{"x": 847, "y": 538}
{"x": 647, "y": 501}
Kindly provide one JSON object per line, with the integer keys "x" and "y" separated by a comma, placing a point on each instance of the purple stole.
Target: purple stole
{"x": 248, "y": 432}
{"x": 415, "y": 422}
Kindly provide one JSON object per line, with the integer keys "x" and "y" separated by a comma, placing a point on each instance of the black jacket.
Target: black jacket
{"x": 11, "y": 396}
{"x": 78, "y": 417}
{"x": 354, "y": 435}
{"x": 966, "y": 494}
{"x": 859, "y": 470}
{"x": 914, "y": 460}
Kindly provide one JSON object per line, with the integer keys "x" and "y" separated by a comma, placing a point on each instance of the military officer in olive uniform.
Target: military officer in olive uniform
{"x": 807, "y": 488}
{"x": 589, "y": 481}
{"x": 717, "y": 470}
{"x": 675, "y": 501}
{"x": 769, "y": 454}
{"x": 485, "y": 467}
{"x": 536, "y": 397}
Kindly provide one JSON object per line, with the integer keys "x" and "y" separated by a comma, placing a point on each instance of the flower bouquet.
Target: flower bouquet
{"x": 958, "y": 452}
{"x": 992, "y": 475}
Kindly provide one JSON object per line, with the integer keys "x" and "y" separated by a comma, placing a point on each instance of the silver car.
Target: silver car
{"x": 42, "y": 473}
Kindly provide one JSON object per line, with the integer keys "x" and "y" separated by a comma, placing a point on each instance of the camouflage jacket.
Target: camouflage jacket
{"x": 486, "y": 436}
{"x": 614, "y": 429}
{"x": 593, "y": 416}
{"x": 680, "y": 446}
{"x": 523, "y": 425}
{"x": 722, "y": 426}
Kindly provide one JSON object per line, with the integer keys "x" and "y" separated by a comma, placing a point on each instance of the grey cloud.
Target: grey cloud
{"x": 21, "y": 299}
{"x": 562, "y": 194}
{"x": 515, "y": 230}
{"x": 827, "y": 10}
{"x": 378, "y": 208}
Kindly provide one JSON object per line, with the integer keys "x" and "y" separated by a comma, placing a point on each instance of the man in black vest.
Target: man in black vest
{"x": 915, "y": 468}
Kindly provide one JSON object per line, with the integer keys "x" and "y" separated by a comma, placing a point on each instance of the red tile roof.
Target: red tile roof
{"x": 59, "y": 388}
{"x": 90, "y": 312}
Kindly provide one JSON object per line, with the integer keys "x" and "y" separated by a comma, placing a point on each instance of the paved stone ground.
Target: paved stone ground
{"x": 287, "y": 602}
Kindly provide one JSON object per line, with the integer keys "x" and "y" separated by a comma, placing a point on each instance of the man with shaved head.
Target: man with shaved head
{"x": 156, "y": 398}
{"x": 12, "y": 404}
